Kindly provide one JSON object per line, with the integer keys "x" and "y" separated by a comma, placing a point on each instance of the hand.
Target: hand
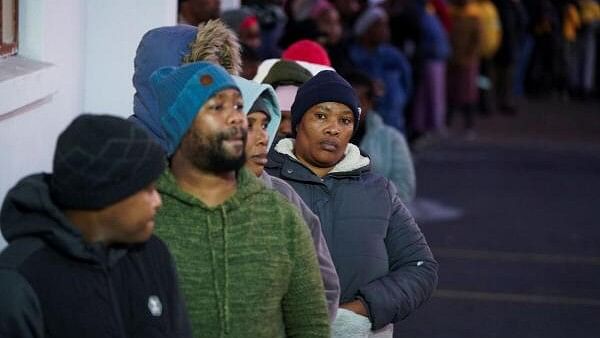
{"x": 357, "y": 307}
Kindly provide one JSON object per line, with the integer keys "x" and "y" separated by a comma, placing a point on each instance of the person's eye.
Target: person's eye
{"x": 216, "y": 107}
{"x": 239, "y": 106}
{"x": 347, "y": 121}
{"x": 320, "y": 116}
{"x": 264, "y": 126}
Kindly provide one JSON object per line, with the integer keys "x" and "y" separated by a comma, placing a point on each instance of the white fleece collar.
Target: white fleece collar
{"x": 352, "y": 158}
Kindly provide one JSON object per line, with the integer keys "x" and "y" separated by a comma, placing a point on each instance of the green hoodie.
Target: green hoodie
{"x": 247, "y": 267}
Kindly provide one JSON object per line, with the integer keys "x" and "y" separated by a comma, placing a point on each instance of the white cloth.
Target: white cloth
{"x": 352, "y": 159}
{"x": 348, "y": 324}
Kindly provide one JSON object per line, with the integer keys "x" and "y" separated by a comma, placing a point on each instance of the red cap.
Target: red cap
{"x": 307, "y": 50}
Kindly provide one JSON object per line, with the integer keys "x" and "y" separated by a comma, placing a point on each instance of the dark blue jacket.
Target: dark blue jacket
{"x": 53, "y": 284}
{"x": 388, "y": 65}
{"x": 378, "y": 250}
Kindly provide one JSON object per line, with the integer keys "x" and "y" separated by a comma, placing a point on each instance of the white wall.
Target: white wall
{"x": 50, "y": 31}
{"x": 92, "y": 43}
{"x": 114, "y": 29}
{"x": 229, "y": 4}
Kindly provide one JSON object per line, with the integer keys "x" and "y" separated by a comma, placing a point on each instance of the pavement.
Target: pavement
{"x": 513, "y": 217}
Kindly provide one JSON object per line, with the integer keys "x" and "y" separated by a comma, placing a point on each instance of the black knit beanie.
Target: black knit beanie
{"x": 326, "y": 86}
{"x": 100, "y": 160}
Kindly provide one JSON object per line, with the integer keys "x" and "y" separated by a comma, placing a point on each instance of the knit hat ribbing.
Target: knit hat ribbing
{"x": 182, "y": 91}
{"x": 100, "y": 160}
{"x": 327, "y": 86}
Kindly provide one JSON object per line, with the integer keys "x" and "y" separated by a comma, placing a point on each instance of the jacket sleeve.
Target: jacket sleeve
{"x": 20, "y": 313}
{"x": 328, "y": 273}
{"x": 304, "y": 306}
{"x": 403, "y": 171}
{"x": 412, "y": 276}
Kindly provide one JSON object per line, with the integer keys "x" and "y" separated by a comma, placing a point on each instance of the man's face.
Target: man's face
{"x": 258, "y": 140}
{"x": 323, "y": 134}
{"x": 215, "y": 142}
{"x": 131, "y": 220}
{"x": 285, "y": 127}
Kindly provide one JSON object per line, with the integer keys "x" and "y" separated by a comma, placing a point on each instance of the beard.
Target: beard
{"x": 208, "y": 153}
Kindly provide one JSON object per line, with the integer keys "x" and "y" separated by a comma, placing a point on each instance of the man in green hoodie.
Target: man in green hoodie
{"x": 245, "y": 258}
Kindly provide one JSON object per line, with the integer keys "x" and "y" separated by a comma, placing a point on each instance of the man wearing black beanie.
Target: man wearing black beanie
{"x": 384, "y": 264}
{"x": 82, "y": 260}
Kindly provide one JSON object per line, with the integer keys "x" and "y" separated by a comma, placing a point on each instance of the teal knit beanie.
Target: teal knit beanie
{"x": 182, "y": 91}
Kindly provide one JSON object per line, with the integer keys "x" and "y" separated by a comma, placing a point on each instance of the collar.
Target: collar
{"x": 351, "y": 161}
{"x": 247, "y": 184}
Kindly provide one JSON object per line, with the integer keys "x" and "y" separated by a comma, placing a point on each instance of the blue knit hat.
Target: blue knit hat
{"x": 182, "y": 91}
{"x": 326, "y": 86}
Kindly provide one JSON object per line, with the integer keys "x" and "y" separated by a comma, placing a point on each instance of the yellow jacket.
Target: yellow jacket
{"x": 491, "y": 28}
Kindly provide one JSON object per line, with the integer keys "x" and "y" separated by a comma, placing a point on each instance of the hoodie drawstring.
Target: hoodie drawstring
{"x": 222, "y": 300}
{"x": 214, "y": 266}
{"x": 226, "y": 266}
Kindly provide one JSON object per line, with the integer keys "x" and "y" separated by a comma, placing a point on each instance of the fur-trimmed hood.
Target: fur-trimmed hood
{"x": 216, "y": 43}
{"x": 174, "y": 46}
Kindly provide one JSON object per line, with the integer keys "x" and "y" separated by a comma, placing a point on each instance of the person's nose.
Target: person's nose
{"x": 156, "y": 199}
{"x": 236, "y": 117}
{"x": 262, "y": 137}
{"x": 333, "y": 128}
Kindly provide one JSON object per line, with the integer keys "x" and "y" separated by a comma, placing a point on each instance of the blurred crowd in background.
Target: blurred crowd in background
{"x": 430, "y": 64}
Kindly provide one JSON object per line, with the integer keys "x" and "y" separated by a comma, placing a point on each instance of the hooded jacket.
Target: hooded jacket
{"x": 388, "y": 65}
{"x": 378, "y": 250}
{"x": 53, "y": 284}
{"x": 247, "y": 267}
{"x": 251, "y": 91}
{"x": 159, "y": 47}
{"x": 174, "y": 46}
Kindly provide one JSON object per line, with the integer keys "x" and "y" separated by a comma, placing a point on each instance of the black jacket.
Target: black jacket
{"x": 53, "y": 284}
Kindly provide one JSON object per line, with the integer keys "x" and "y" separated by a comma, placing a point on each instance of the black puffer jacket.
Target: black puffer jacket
{"x": 377, "y": 248}
{"x": 52, "y": 284}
